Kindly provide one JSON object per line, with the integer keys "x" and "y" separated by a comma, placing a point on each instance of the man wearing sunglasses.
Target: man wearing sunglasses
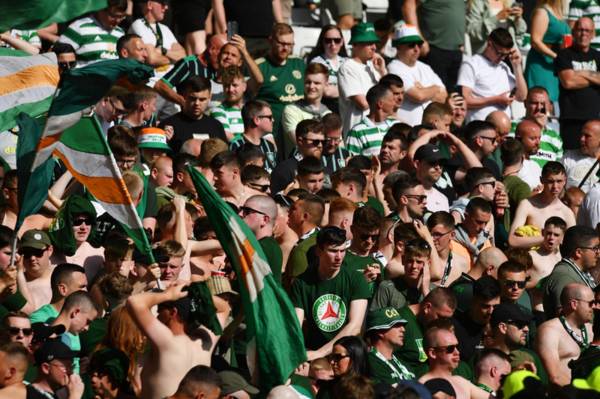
{"x": 421, "y": 84}
{"x": 513, "y": 280}
{"x": 19, "y": 328}
{"x": 564, "y": 338}
{"x": 488, "y": 84}
{"x": 443, "y": 356}
{"x": 36, "y": 248}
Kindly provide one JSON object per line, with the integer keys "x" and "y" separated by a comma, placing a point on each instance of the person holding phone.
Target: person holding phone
{"x": 488, "y": 82}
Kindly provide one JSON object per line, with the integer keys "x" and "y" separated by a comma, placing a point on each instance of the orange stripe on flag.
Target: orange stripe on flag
{"x": 29, "y": 77}
{"x": 48, "y": 141}
{"x": 246, "y": 258}
{"x": 105, "y": 189}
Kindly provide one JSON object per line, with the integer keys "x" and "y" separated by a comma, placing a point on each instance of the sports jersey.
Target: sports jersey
{"x": 230, "y": 118}
{"x": 365, "y": 137}
{"x": 590, "y": 9}
{"x": 551, "y": 145}
{"x": 91, "y": 41}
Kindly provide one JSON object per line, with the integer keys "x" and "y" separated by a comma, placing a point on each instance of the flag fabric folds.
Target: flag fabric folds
{"x": 269, "y": 314}
{"x": 78, "y": 91}
{"x": 34, "y": 14}
{"x": 27, "y": 84}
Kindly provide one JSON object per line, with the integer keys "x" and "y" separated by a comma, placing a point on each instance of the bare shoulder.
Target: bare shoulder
{"x": 549, "y": 329}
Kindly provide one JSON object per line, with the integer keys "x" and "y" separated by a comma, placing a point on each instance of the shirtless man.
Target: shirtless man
{"x": 441, "y": 226}
{"x": 36, "y": 249}
{"x": 537, "y": 209}
{"x": 228, "y": 182}
{"x": 172, "y": 351}
{"x": 562, "y": 339}
{"x": 441, "y": 346}
{"x": 13, "y": 365}
{"x": 548, "y": 253}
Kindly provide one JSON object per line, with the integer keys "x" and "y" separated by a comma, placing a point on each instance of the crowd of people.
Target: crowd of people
{"x": 434, "y": 240}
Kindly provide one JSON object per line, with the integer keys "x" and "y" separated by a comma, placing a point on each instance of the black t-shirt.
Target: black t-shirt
{"x": 468, "y": 333}
{"x": 187, "y": 128}
{"x": 583, "y": 103}
{"x": 255, "y": 18}
{"x": 33, "y": 393}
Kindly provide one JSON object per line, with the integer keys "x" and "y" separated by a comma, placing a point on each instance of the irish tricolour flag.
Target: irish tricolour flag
{"x": 269, "y": 314}
{"x": 80, "y": 144}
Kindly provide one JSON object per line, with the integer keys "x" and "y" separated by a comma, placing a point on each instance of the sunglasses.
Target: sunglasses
{"x": 420, "y": 198}
{"x": 67, "y": 65}
{"x": 449, "y": 349}
{"x": 373, "y": 237}
{"x": 260, "y": 187}
{"x": 519, "y": 324}
{"x": 336, "y": 357}
{"x": 79, "y": 222}
{"x": 244, "y": 210}
{"x": 269, "y": 117}
{"x": 16, "y": 330}
{"x": 29, "y": 252}
{"x": 512, "y": 283}
{"x": 314, "y": 142}
{"x": 591, "y": 303}
{"x": 330, "y": 40}
{"x": 418, "y": 243}
{"x": 413, "y": 45}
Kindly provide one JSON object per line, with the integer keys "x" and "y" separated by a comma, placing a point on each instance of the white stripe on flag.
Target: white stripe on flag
{"x": 26, "y": 96}
{"x": 54, "y": 125}
{"x": 10, "y": 65}
{"x": 123, "y": 213}
{"x": 85, "y": 163}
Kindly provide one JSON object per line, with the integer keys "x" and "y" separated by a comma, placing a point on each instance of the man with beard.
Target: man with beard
{"x": 393, "y": 151}
{"x": 563, "y": 338}
{"x": 537, "y": 209}
{"x": 411, "y": 199}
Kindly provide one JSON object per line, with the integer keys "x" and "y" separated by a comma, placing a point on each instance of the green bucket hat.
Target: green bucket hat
{"x": 363, "y": 33}
{"x": 592, "y": 382}
{"x": 383, "y": 319}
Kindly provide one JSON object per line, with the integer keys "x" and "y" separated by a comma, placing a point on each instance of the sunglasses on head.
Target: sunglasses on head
{"x": 418, "y": 243}
{"x": 448, "y": 348}
{"x": 512, "y": 283}
{"x": 16, "y": 330}
{"x": 329, "y": 40}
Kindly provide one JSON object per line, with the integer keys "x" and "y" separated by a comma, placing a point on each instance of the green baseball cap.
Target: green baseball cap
{"x": 34, "y": 238}
{"x": 364, "y": 33}
{"x": 592, "y": 382}
{"x": 384, "y": 319}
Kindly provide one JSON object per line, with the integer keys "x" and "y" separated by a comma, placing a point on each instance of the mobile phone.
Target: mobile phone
{"x": 232, "y": 29}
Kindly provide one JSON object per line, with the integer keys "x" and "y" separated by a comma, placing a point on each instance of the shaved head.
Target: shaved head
{"x": 500, "y": 120}
{"x": 265, "y": 204}
{"x": 490, "y": 259}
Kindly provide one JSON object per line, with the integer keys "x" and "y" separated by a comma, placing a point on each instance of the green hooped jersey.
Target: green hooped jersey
{"x": 326, "y": 303}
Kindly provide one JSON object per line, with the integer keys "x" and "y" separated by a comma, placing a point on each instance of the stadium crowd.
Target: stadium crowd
{"x": 426, "y": 193}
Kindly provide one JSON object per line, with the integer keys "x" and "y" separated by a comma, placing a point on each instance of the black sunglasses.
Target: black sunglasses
{"x": 16, "y": 330}
{"x": 79, "y": 222}
{"x": 29, "y": 252}
{"x": 67, "y": 65}
{"x": 512, "y": 283}
{"x": 336, "y": 40}
{"x": 245, "y": 210}
{"x": 519, "y": 324}
{"x": 373, "y": 237}
{"x": 260, "y": 187}
{"x": 336, "y": 357}
{"x": 419, "y": 198}
{"x": 447, "y": 348}
{"x": 314, "y": 142}
{"x": 418, "y": 243}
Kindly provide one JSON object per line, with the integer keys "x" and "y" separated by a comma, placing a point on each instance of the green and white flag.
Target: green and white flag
{"x": 269, "y": 314}
{"x": 34, "y": 14}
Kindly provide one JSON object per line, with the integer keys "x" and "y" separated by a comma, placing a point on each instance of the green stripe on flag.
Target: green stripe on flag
{"x": 34, "y": 14}
{"x": 8, "y": 117}
{"x": 268, "y": 311}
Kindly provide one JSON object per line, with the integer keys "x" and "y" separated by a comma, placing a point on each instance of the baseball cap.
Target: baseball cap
{"x": 153, "y": 137}
{"x": 383, "y": 319}
{"x": 436, "y": 385}
{"x": 34, "y": 238}
{"x": 233, "y": 382}
{"x": 505, "y": 312}
{"x": 592, "y": 382}
{"x": 429, "y": 153}
{"x": 515, "y": 382}
{"x": 405, "y": 34}
{"x": 43, "y": 331}
{"x": 364, "y": 33}
{"x": 53, "y": 349}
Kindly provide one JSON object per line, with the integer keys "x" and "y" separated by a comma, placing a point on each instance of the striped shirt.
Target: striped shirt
{"x": 335, "y": 161}
{"x": 188, "y": 66}
{"x": 265, "y": 146}
{"x": 551, "y": 145}
{"x": 91, "y": 41}
{"x": 230, "y": 118}
{"x": 587, "y": 8}
{"x": 30, "y": 36}
{"x": 366, "y": 136}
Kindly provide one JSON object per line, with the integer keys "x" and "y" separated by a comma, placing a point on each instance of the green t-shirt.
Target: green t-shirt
{"x": 326, "y": 303}
{"x": 382, "y": 370}
{"x": 74, "y": 343}
{"x": 297, "y": 262}
{"x": 373, "y": 203}
{"x": 412, "y": 353}
{"x": 93, "y": 336}
{"x": 395, "y": 293}
{"x": 357, "y": 264}
{"x": 442, "y": 22}
{"x": 45, "y": 314}
{"x": 274, "y": 255}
